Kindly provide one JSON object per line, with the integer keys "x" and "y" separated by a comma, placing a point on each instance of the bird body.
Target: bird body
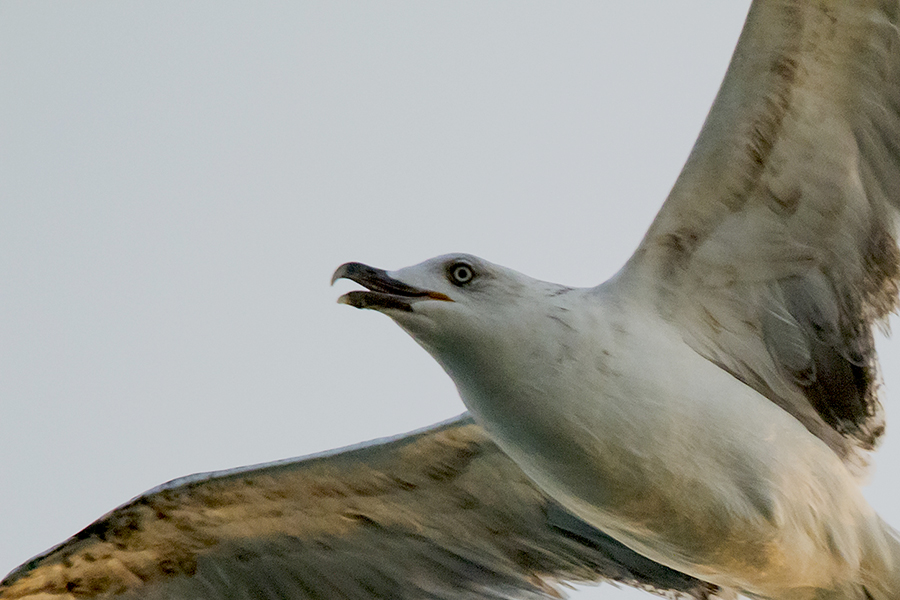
{"x": 602, "y": 402}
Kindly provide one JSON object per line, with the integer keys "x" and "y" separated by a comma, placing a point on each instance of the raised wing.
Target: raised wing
{"x": 442, "y": 513}
{"x": 776, "y": 250}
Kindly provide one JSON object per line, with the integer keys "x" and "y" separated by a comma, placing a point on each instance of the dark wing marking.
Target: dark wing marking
{"x": 776, "y": 250}
{"x": 442, "y": 513}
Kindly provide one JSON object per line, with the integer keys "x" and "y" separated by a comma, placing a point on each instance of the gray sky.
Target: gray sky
{"x": 179, "y": 180}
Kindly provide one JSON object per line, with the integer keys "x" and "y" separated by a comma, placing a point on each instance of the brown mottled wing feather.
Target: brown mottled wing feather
{"x": 441, "y": 513}
{"x": 776, "y": 249}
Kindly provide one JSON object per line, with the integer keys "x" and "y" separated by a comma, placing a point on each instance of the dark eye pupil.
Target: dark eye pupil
{"x": 461, "y": 273}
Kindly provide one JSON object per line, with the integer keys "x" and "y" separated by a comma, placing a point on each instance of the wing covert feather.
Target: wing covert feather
{"x": 438, "y": 514}
{"x": 776, "y": 250}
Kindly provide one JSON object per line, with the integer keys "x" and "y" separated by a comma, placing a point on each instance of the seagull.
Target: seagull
{"x": 696, "y": 426}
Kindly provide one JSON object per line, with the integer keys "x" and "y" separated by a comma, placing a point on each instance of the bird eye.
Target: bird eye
{"x": 460, "y": 274}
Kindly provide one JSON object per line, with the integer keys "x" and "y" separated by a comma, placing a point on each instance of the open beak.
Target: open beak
{"x": 383, "y": 291}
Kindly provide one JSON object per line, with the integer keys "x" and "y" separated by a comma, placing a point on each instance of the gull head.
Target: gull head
{"x": 465, "y": 311}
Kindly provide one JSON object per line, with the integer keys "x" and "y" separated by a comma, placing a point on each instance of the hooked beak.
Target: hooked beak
{"x": 384, "y": 292}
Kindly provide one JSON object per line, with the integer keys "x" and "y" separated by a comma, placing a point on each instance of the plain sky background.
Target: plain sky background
{"x": 178, "y": 180}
